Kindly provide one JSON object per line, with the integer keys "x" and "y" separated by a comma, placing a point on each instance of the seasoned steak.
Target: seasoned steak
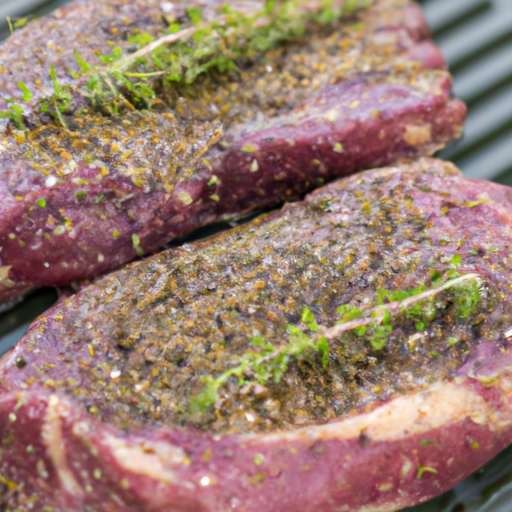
{"x": 349, "y": 352}
{"x": 86, "y": 186}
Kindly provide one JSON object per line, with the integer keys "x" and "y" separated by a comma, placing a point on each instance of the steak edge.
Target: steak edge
{"x": 72, "y": 462}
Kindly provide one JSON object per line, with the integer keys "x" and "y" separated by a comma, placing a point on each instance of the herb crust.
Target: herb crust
{"x": 136, "y": 347}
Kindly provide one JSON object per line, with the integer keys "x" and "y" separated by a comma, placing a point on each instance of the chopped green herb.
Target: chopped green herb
{"x": 27, "y": 95}
{"x": 349, "y": 312}
{"x": 258, "y": 460}
{"x": 201, "y": 44}
{"x": 456, "y": 260}
{"x": 20, "y": 23}
{"x": 61, "y": 98}
{"x": 338, "y": 147}
{"x": 323, "y": 348}
{"x": 15, "y": 114}
{"x": 80, "y": 196}
{"x": 116, "y": 55}
{"x": 213, "y": 181}
{"x": 424, "y": 469}
{"x": 174, "y": 28}
{"x": 195, "y": 15}
{"x": 269, "y": 363}
{"x": 84, "y": 66}
{"x": 466, "y": 299}
{"x": 136, "y": 245}
{"x": 309, "y": 319}
{"x": 472, "y": 204}
{"x": 420, "y": 326}
{"x": 379, "y": 335}
{"x": 452, "y": 340}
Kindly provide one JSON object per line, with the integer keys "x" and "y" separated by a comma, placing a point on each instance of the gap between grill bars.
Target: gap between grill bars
{"x": 476, "y": 39}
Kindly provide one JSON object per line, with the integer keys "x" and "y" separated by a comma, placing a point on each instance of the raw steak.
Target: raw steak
{"x": 100, "y": 408}
{"x": 81, "y": 199}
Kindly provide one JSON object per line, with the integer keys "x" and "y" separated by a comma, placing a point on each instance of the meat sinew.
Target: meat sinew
{"x": 86, "y": 190}
{"x": 347, "y": 353}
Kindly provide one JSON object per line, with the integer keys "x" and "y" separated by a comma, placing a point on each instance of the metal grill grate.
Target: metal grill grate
{"x": 476, "y": 39}
{"x": 20, "y": 8}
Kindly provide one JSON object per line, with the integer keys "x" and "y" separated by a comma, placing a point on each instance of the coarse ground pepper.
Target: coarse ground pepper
{"x": 84, "y": 194}
{"x": 134, "y": 347}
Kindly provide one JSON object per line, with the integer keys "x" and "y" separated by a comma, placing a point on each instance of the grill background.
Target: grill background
{"x": 476, "y": 39}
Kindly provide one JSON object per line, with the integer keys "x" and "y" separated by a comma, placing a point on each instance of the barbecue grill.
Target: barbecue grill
{"x": 476, "y": 39}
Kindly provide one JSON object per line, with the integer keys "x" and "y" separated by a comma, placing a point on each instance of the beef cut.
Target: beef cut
{"x": 83, "y": 194}
{"x": 395, "y": 283}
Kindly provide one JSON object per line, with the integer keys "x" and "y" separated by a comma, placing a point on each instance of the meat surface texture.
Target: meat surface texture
{"x": 86, "y": 194}
{"x": 96, "y": 410}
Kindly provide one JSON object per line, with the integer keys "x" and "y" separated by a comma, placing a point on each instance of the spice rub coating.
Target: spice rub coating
{"x": 111, "y": 359}
{"x": 135, "y": 347}
{"x": 81, "y": 199}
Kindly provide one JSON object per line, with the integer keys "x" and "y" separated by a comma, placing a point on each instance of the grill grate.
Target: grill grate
{"x": 21, "y": 8}
{"x": 476, "y": 39}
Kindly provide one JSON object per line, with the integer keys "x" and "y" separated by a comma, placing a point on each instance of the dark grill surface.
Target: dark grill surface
{"x": 476, "y": 39}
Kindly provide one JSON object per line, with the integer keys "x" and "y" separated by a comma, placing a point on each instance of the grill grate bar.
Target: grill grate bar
{"x": 441, "y": 14}
{"x": 484, "y": 121}
{"x": 17, "y": 7}
{"x": 463, "y": 43}
{"x": 484, "y": 74}
{"x": 475, "y": 37}
{"x": 493, "y": 160}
